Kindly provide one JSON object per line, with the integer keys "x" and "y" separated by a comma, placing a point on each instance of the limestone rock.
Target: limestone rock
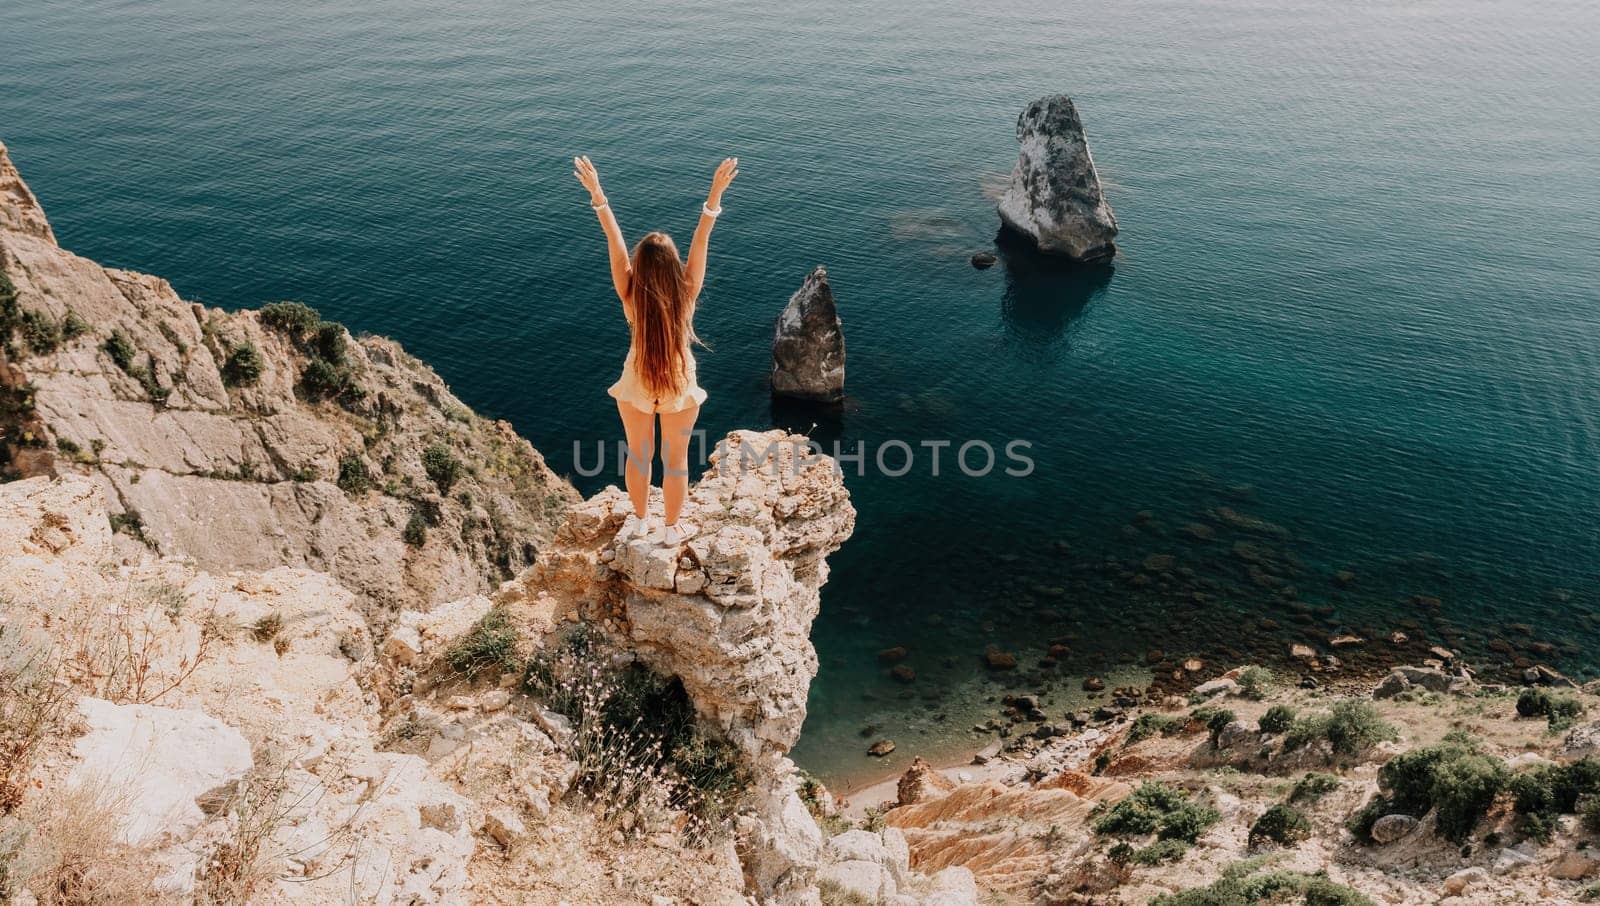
{"x": 1054, "y": 198}
{"x": 769, "y": 514}
{"x": 157, "y": 761}
{"x": 780, "y": 847}
{"x": 506, "y": 827}
{"x": 808, "y": 344}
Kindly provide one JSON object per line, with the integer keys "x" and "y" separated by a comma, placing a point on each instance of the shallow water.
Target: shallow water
{"x": 1356, "y": 299}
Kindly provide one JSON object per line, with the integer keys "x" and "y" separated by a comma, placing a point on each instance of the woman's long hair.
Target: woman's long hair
{"x": 663, "y": 315}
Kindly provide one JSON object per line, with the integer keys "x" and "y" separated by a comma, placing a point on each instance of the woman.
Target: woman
{"x": 658, "y": 293}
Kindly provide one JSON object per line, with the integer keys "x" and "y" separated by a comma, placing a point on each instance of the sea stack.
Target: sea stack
{"x": 808, "y": 344}
{"x": 1054, "y": 197}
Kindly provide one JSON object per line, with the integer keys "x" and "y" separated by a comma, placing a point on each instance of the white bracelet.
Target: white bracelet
{"x": 601, "y": 206}
{"x": 706, "y": 210}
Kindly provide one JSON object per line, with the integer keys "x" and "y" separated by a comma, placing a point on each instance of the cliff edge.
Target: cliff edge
{"x": 256, "y": 439}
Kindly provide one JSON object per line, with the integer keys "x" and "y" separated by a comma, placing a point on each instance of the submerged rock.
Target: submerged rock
{"x": 808, "y": 344}
{"x": 1054, "y": 197}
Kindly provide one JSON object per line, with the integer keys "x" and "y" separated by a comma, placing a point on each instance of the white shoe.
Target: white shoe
{"x": 635, "y": 528}
{"x": 680, "y": 532}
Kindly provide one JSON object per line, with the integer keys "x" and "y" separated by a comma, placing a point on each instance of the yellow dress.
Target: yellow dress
{"x": 630, "y": 388}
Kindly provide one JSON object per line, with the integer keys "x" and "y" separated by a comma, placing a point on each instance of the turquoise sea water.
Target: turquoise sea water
{"x": 1357, "y": 297}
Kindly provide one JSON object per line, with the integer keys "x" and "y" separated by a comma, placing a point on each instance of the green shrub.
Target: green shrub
{"x": 1156, "y": 808}
{"x": 244, "y": 365}
{"x": 1357, "y": 726}
{"x": 1278, "y": 719}
{"x": 1245, "y": 884}
{"x": 1545, "y": 792}
{"x": 354, "y": 479}
{"x": 416, "y": 531}
{"x": 119, "y": 346}
{"x": 1282, "y": 824}
{"x": 41, "y": 333}
{"x": 441, "y": 465}
{"x": 1351, "y": 727}
{"x": 1591, "y": 814}
{"x": 73, "y": 326}
{"x": 1561, "y": 711}
{"x": 1160, "y": 852}
{"x": 1455, "y": 777}
{"x": 1257, "y": 683}
{"x": 322, "y": 380}
{"x": 328, "y": 341}
{"x": 1313, "y": 786}
{"x": 1152, "y": 724}
{"x": 290, "y": 318}
{"x": 489, "y": 644}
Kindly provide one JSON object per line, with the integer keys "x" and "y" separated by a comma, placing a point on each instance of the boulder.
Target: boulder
{"x": 1390, "y": 828}
{"x": 808, "y": 344}
{"x": 1054, "y": 198}
{"x": 1405, "y": 678}
{"x": 1581, "y": 742}
{"x": 921, "y": 782}
{"x": 156, "y": 762}
{"x": 953, "y": 886}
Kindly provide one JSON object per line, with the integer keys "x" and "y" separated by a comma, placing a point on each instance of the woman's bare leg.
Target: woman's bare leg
{"x": 640, "y": 428}
{"x": 677, "y": 429}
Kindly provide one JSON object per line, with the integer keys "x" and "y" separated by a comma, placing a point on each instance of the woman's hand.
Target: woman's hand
{"x": 726, "y": 171}
{"x": 584, "y": 170}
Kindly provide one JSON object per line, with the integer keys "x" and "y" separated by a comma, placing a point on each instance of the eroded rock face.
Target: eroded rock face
{"x": 729, "y": 612}
{"x": 133, "y": 386}
{"x": 1054, "y": 198}
{"x": 808, "y": 344}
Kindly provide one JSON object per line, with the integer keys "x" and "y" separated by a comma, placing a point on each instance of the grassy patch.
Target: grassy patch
{"x": 294, "y": 320}
{"x": 1257, "y": 683}
{"x": 489, "y": 644}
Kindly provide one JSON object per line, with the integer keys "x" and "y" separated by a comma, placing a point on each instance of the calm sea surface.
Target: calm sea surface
{"x": 1355, "y": 324}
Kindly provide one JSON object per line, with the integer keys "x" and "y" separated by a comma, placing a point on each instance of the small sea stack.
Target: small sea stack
{"x": 1054, "y": 198}
{"x": 808, "y": 344}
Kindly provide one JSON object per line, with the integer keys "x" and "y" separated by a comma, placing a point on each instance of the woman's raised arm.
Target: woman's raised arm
{"x": 696, "y": 265}
{"x": 618, "y": 250}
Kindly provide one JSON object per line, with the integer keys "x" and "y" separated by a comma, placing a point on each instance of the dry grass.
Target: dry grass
{"x": 129, "y": 651}
{"x": 65, "y": 850}
{"x": 33, "y": 702}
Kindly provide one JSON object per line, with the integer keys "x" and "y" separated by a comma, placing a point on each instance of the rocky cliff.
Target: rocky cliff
{"x": 255, "y": 439}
